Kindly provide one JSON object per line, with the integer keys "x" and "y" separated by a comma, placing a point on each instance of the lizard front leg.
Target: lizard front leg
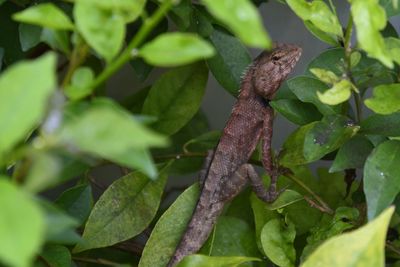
{"x": 256, "y": 182}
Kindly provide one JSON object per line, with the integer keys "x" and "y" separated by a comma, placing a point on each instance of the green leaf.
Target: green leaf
{"x": 43, "y": 172}
{"x": 176, "y": 97}
{"x": 77, "y": 201}
{"x": 393, "y": 46}
{"x": 385, "y": 99}
{"x": 203, "y": 142}
{"x": 362, "y": 247}
{"x": 45, "y": 15}
{"x": 391, "y": 7}
{"x": 80, "y": 84}
{"x": 60, "y": 227}
{"x": 240, "y": 16}
{"x": 182, "y": 14}
{"x": 387, "y": 125}
{"x": 29, "y": 36}
{"x": 323, "y": 36}
{"x": 344, "y": 219}
{"x": 231, "y": 237}
{"x": 306, "y": 88}
{"x": 57, "y": 40}
{"x": 352, "y": 154}
{"x": 382, "y": 177}
{"x": 366, "y": 73}
{"x": 26, "y": 85}
{"x": 21, "y": 226}
{"x": 327, "y": 136}
{"x": 174, "y": 49}
{"x": 286, "y": 198}
{"x": 293, "y": 149}
{"x": 169, "y": 229}
{"x": 370, "y": 18}
{"x": 339, "y": 93}
{"x": 103, "y": 29}
{"x": 56, "y": 256}
{"x": 9, "y": 38}
{"x": 90, "y": 131}
{"x": 355, "y": 58}
{"x": 261, "y": 216}
{"x": 128, "y": 9}
{"x": 332, "y": 188}
{"x": 204, "y": 21}
{"x": 296, "y": 111}
{"x": 124, "y": 210}
{"x": 230, "y": 61}
{"x": 207, "y": 261}
{"x": 277, "y": 240}
{"x": 326, "y": 76}
{"x": 318, "y": 13}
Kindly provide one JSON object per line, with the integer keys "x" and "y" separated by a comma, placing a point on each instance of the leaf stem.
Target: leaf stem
{"x": 78, "y": 55}
{"x": 324, "y": 205}
{"x": 347, "y": 53}
{"x": 136, "y": 41}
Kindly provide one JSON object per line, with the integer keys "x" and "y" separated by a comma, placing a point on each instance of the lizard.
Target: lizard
{"x": 225, "y": 170}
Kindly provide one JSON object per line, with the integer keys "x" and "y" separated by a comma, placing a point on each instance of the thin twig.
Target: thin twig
{"x": 321, "y": 202}
{"x": 137, "y": 40}
{"x": 313, "y": 204}
{"x": 392, "y": 248}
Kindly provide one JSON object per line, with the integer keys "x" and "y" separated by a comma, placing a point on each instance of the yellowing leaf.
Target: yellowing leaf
{"x": 370, "y": 18}
{"x": 318, "y": 13}
{"x": 339, "y": 93}
{"x": 363, "y": 247}
{"x": 386, "y": 99}
{"x": 326, "y": 76}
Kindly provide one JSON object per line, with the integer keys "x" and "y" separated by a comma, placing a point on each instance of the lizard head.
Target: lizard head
{"x": 272, "y": 67}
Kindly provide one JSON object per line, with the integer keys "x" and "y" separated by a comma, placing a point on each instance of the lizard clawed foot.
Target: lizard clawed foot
{"x": 259, "y": 189}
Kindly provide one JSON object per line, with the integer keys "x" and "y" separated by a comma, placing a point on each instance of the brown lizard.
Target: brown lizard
{"x": 226, "y": 171}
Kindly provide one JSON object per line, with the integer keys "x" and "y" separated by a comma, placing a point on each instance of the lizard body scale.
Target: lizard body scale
{"x": 226, "y": 170}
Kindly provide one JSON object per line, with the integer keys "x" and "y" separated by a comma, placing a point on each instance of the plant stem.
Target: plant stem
{"x": 136, "y": 41}
{"x": 78, "y": 55}
{"x": 305, "y": 187}
{"x": 347, "y": 53}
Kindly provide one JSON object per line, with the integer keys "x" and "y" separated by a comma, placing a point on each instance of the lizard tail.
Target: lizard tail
{"x": 197, "y": 231}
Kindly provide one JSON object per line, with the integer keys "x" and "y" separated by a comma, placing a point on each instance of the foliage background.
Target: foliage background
{"x": 284, "y": 233}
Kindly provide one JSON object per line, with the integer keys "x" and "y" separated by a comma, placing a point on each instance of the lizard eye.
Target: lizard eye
{"x": 276, "y": 57}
